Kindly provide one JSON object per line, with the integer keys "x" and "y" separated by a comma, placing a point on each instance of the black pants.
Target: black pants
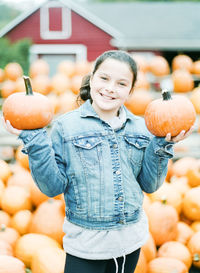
{"x": 77, "y": 265}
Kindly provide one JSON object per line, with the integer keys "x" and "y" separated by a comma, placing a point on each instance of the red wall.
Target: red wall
{"x": 83, "y": 32}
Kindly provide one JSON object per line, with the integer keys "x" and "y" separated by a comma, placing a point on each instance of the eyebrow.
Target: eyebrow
{"x": 103, "y": 73}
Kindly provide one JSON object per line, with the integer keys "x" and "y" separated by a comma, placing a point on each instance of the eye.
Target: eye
{"x": 103, "y": 78}
{"x": 122, "y": 84}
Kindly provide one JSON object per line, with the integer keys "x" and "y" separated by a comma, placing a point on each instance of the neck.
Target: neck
{"x": 106, "y": 115}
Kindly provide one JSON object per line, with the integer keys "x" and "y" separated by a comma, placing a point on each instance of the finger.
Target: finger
{"x": 168, "y": 137}
{"x": 179, "y": 137}
{"x": 11, "y": 129}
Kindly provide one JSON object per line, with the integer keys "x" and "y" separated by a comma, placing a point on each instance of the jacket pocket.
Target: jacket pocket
{"x": 89, "y": 150}
{"x": 136, "y": 146}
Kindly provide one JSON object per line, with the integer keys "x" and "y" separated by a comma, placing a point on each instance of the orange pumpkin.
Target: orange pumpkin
{"x": 194, "y": 247}
{"x": 5, "y": 248}
{"x": 196, "y": 68}
{"x": 180, "y": 166}
{"x": 67, "y": 68}
{"x": 28, "y": 111}
{"x": 41, "y": 84}
{"x": 60, "y": 83}
{"x": 176, "y": 250}
{"x": 141, "y": 62}
{"x": 142, "y": 81}
{"x": 182, "y": 81}
{"x": 21, "y": 221}
{"x": 195, "y": 98}
{"x": 39, "y": 67}
{"x": 184, "y": 232}
{"x": 48, "y": 219}
{"x": 182, "y": 61}
{"x": 7, "y": 88}
{"x": 8, "y": 234}
{"x": 5, "y": 218}
{"x": 159, "y": 66}
{"x": 195, "y": 226}
{"x": 49, "y": 259}
{"x": 171, "y": 114}
{"x": 191, "y": 204}
{"x": 15, "y": 198}
{"x": 13, "y": 71}
{"x": 141, "y": 266}
{"x": 21, "y": 157}
{"x": 193, "y": 176}
{"x": 149, "y": 249}
{"x": 168, "y": 193}
{"x": 166, "y": 265}
{"x": 9, "y": 264}
{"x": 138, "y": 102}
{"x": 163, "y": 220}
{"x": 29, "y": 243}
{"x": 5, "y": 171}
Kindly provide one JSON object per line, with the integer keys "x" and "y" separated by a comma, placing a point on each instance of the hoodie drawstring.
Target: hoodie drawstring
{"x": 116, "y": 263}
{"x": 124, "y": 260}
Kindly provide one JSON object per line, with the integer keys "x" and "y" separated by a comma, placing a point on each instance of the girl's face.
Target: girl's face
{"x": 110, "y": 87}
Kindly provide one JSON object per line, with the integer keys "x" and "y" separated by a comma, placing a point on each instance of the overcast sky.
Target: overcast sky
{"x": 24, "y": 4}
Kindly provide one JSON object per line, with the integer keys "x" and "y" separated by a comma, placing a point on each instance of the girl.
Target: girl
{"x": 102, "y": 158}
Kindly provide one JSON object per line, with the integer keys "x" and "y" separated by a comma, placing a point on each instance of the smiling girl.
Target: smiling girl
{"x": 102, "y": 158}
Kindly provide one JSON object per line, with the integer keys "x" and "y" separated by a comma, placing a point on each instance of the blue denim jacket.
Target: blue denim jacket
{"x": 101, "y": 172}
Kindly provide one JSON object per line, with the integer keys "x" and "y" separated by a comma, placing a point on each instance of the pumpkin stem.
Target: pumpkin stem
{"x": 166, "y": 94}
{"x": 196, "y": 257}
{"x": 28, "y": 270}
{"x": 27, "y": 82}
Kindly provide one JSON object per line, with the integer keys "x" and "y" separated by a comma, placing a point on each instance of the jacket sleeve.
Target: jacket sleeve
{"x": 47, "y": 166}
{"x": 155, "y": 164}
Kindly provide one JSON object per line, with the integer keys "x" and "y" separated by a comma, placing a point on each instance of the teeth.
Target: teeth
{"x": 106, "y": 97}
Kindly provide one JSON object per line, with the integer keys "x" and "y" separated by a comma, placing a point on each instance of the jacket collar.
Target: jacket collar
{"x": 86, "y": 110}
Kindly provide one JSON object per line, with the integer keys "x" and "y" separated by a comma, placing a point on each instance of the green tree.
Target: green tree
{"x": 15, "y": 52}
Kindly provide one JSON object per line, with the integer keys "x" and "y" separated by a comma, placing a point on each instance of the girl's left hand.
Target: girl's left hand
{"x": 180, "y": 136}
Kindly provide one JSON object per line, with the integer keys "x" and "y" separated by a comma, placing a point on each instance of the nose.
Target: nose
{"x": 110, "y": 86}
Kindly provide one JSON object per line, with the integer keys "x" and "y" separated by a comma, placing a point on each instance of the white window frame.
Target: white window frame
{"x": 79, "y": 50}
{"x": 45, "y": 32}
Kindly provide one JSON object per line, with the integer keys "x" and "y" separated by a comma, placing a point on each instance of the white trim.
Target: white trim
{"x": 47, "y": 34}
{"x": 79, "y": 50}
{"x": 87, "y": 15}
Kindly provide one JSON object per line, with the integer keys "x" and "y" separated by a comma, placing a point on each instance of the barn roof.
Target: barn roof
{"x": 139, "y": 25}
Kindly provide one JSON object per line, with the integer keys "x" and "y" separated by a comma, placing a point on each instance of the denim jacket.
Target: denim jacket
{"x": 102, "y": 172}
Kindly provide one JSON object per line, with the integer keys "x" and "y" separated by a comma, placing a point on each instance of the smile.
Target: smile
{"x": 106, "y": 97}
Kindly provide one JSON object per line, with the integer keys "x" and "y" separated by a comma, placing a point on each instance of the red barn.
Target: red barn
{"x": 79, "y": 31}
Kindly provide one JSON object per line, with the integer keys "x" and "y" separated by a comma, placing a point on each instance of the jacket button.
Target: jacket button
{"x": 88, "y": 145}
{"x": 121, "y": 222}
{"x": 118, "y": 172}
{"x": 114, "y": 146}
{"x": 120, "y": 198}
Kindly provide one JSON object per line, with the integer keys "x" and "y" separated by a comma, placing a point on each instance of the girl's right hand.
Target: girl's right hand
{"x": 10, "y": 128}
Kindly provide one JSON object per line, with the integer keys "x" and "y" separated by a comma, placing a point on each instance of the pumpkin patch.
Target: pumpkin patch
{"x": 31, "y": 223}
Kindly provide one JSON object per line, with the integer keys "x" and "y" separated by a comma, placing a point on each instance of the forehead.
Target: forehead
{"x": 113, "y": 66}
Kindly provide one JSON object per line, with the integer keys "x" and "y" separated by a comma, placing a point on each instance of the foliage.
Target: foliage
{"x": 15, "y": 52}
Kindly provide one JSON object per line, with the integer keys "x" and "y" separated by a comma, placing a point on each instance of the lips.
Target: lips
{"x": 107, "y": 97}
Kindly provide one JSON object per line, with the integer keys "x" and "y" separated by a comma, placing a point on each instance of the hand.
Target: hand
{"x": 182, "y": 135}
{"x": 10, "y": 128}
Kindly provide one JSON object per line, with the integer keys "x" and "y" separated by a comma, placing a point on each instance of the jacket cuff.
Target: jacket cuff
{"x": 162, "y": 147}
{"x": 28, "y": 135}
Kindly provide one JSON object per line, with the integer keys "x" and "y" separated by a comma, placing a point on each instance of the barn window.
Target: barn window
{"x": 55, "y": 21}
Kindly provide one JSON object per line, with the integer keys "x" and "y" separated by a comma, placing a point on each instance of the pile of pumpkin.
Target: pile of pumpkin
{"x": 62, "y": 88}
{"x": 31, "y": 223}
